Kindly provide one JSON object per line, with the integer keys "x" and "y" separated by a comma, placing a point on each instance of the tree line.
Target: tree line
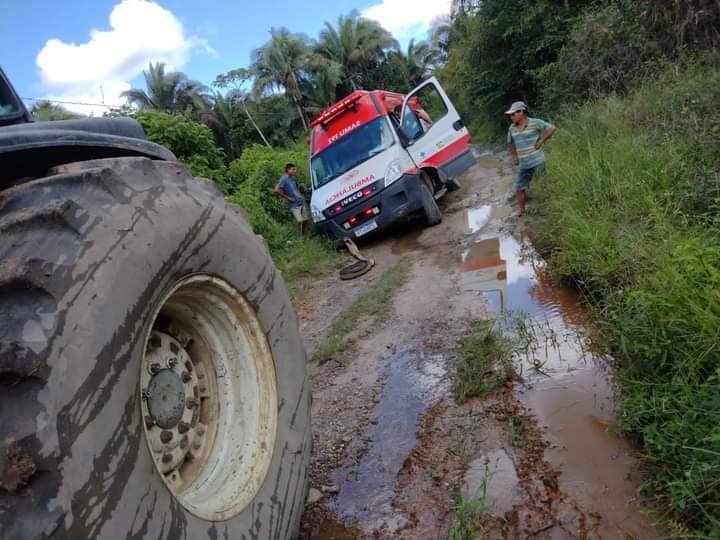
{"x": 556, "y": 55}
{"x": 291, "y": 78}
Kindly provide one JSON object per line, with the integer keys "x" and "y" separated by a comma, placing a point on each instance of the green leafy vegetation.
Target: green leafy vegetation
{"x": 482, "y": 362}
{"x": 243, "y": 135}
{"x": 556, "y": 55}
{"x": 43, "y": 111}
{"x": 630, "y": 208}
{"x": 191, "y": 142}
{"x": 374, "y": 306}
{"x": 249, "y": 182}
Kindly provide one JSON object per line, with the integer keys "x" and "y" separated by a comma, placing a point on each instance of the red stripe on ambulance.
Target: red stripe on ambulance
{"x": 448, "y": 153}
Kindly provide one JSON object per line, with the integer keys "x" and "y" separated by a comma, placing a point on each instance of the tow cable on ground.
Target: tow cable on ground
{"x": 358, "y": 268}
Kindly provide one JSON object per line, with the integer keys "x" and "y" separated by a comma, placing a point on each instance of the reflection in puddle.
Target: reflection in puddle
{"x": 477, "y": 218}
{"x": 368, "y": 487}
{"x": 566, "y": 386}
{"x": 483, "y": 271}
{"x": 506, "y": 272}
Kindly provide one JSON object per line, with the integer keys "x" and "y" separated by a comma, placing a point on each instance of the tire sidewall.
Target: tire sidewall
{"x": 433, "y": 216}
{"x": 136, "y": 252}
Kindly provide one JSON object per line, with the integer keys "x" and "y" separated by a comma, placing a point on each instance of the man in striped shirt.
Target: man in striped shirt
{"x": 526, "y": 137}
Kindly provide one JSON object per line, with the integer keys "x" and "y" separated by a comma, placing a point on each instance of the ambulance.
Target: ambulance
{"x": 377, "y": 156}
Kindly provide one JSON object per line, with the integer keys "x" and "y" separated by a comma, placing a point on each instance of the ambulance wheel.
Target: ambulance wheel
{"x": 153, "y": 377}
{"x": 433, "y": 216}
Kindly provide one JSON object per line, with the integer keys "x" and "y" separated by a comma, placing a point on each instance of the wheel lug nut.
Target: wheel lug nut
{"x": 149, "y": 421}
{"x": 191, "y": 403}
{"x": 155, "y": 368}
{"x": 166, "y": 436}
{"x": 167, "y": 458}
{"x": 185, "y": 377}
{"x": 172, "y": 362}
{"x": 145, "y": 394}
{"x": 183, "y": 427}
{"x": 201, "y": 376}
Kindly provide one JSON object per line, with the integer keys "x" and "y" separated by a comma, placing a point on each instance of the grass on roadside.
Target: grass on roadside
{"x": 469, "y": 511}
{"x": 631, "y": 207}
{"x": 482, "y": 361}
{"x": 374, "y": 304}
{"x": 302, "y": 259}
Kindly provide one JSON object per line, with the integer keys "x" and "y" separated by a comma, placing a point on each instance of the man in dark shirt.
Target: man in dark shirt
{"x": 289, "y": 189}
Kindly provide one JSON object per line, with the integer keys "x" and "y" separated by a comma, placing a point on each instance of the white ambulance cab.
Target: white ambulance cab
{"x": 376, "y": 156}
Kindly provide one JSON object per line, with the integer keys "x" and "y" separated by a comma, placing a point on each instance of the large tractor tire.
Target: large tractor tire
{"x": 152, "y": 378}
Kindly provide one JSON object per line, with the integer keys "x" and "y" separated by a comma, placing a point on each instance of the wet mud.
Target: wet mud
{"x": 394, "y": 453}
{"x": 16, "y": 467}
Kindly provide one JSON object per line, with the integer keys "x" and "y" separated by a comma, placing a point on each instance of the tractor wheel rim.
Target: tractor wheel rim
{"x": 208, "y": 397}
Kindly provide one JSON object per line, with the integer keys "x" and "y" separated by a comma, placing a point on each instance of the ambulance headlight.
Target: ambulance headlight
{"x": 317, "y": 215}
{"x": 394, "y": 171}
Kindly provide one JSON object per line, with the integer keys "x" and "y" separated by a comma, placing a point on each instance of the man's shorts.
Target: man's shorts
{"x": 525, "y": 175}
{"x": 299, "y": 213}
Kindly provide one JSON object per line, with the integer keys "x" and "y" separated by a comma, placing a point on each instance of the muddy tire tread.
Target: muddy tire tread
{"x": 37, "y": 218}
{"x": 433, "y": 216}
{"x": 32, "y": 216}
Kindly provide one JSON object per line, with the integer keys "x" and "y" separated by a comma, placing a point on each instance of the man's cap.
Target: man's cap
{"x": 517, "y": 106}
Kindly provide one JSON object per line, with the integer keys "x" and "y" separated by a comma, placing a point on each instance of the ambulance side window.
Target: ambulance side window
{"x": 424, "y": 108}
{"x": 411, "y": 126}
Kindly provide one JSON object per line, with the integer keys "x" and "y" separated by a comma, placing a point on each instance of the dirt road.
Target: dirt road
{"x": 394, "y": 454}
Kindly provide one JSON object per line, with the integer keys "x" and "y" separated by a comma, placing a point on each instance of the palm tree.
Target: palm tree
{"x": 356, "y": 44}
{"x": 440, "y": 35}
{"x": 320, "y": 89}
{"x": 282, "y": 64}
{"x": 227, "y": 106}
{"x": 421, "y": 60}
{"x": 47, "y": 110}
{"x": 170, "y": 92}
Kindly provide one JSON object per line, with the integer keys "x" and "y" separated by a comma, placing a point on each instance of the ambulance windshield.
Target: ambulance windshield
{"x": 359, "y": 145}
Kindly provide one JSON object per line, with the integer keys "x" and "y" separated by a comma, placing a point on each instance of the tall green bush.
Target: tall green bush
{"x": 494, "y": 50}
{"x": 608, "y": 50}
{"x": 190, "y": 141}
{"x": 249, "y": 182}
{"x": 630, "y": 213}
{"x": 253, "y": 177}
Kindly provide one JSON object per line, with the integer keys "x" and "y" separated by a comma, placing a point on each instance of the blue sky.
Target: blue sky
{"x": 89, "y": 51}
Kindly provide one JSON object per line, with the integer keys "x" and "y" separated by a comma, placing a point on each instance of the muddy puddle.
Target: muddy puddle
{"x": 395, "y": 451}
{"x": 565, "y": 386}
{"x": 414, "y": 382}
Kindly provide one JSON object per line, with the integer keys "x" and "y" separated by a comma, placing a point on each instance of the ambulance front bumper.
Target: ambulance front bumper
{"x": 399, "y": 199}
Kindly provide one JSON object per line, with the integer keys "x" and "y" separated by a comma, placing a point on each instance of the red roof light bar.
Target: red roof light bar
{"x": 338, "y": 108}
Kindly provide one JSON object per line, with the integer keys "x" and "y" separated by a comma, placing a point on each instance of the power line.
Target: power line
{"x": 63, "y": 102}
{"x": 72, "y": 102}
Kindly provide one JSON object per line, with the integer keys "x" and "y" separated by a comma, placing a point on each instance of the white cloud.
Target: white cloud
{"x": 141, "y": 31}
{"x": 407, "y": 19}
